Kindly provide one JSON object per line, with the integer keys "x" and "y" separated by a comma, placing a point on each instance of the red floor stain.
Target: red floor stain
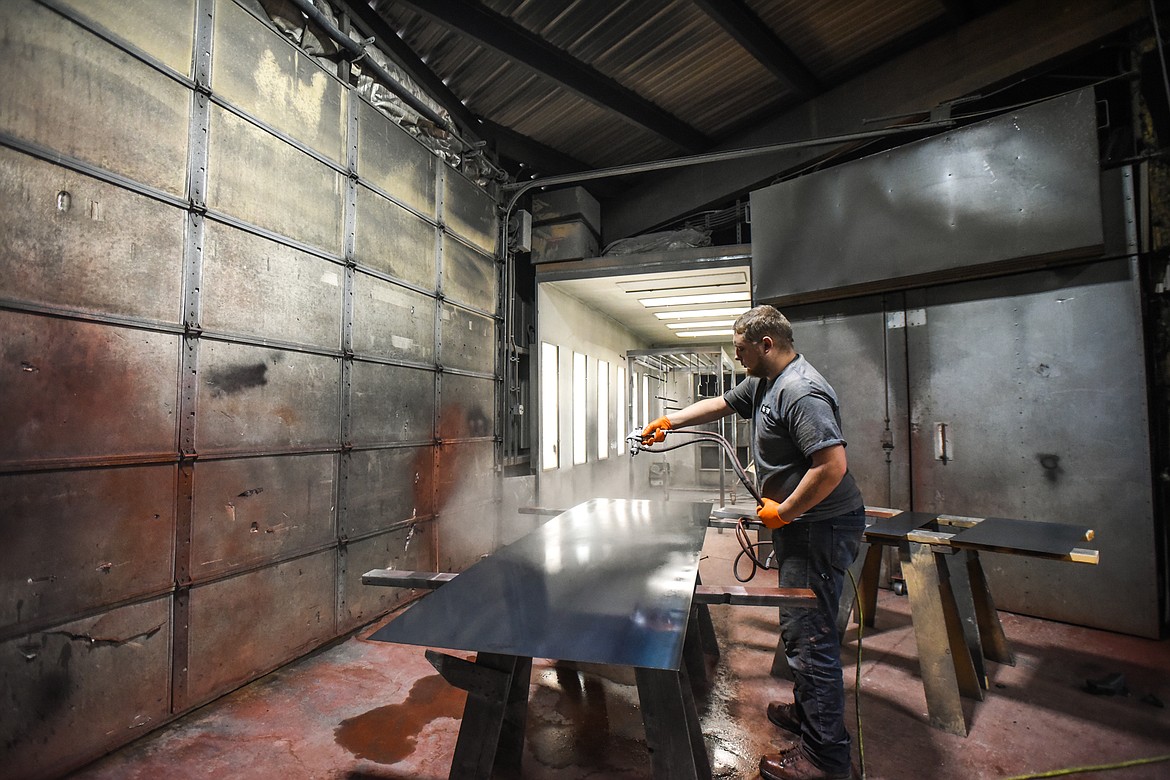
{"x": 388, "y": 734}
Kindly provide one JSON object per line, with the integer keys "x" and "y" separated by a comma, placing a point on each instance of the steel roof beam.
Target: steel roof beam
{"x": 742, "y": 24}
{"x": 518, "y": 44}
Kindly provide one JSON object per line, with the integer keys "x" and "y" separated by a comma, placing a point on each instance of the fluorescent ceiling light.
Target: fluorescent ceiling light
{"x": 705, "y": 324}
{"x": 687, "y": 314}
{"x": 696, "y": 333}
{"x": 690, "y": 300}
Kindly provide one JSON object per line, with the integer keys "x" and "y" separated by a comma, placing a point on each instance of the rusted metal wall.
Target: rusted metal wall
{"x": 248, "y": 351}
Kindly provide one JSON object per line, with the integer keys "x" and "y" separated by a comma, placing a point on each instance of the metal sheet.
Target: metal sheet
{"x": 609, "y": 581}
{"x": 468, "y": 407}
{"x": 469, "y": 211}
{"x": 256, "y": 287}
{"x": 257, "y": 69}
{"x": 394, "y": 162}
{"x": 260, "y": 179}
{"x": 253, "y": 398}
{"x": 76, "y": 242}
{"x": 392, "y": 240}
{"x": 260, "y": 509}
{"x": 62, "y": 81}
{"x": 1041, "y": 381}
{"x": 407, "y": 548}
{"x": 75, "y": 540}
{"x": 468, "y": 339}
{"x": 392, "y": 404}
{"x": 77, "y": 389}
{"x": 245, "y": 626}
{"x": 390, "y": 321}
{"x": 1016, "y": 186}
{"x": 387, "y": 487}
{"x": 89, "y": 683}
{"x": 164, "y": 31}
{"x": 469, "y": 277}
{"x": 864, "y": 360}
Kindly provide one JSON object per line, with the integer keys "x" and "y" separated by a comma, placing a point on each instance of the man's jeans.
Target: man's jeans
{"x": 816, "y": 555}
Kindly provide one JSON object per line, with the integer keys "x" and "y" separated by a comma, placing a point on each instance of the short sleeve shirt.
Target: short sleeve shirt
{"x": 793, "y": 416}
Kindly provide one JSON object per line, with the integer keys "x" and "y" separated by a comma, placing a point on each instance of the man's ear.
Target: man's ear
{"x": 767, "y": 343}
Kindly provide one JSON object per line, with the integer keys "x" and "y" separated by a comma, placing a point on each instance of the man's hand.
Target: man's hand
{"x": 655, "y": 431}
{"x": 769, "y": 514}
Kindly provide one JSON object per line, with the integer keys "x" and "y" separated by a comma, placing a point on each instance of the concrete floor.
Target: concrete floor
{"x": 362, "y": 709}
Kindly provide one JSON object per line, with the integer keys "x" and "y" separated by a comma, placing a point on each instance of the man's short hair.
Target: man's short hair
{"x": 762, "y": 321}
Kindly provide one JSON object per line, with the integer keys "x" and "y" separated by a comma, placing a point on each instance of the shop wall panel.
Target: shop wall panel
{"x": 256, "y": 177}
{"x": 390, "y": 321}
{"x": 75, "y": 540}
{"x": 388, "y": 486}
{"x": 469, "y": 277}
{"x": 260, "y": 509}
{"x": 394, "y": 241}
{"x": 469, "y": 340}
{"x": 257, "y": 287}
{"x": 244, "y": 626}
{"x": 391, "y": 404}
{"x": 61, "y": 82}
{"x": 252, "y": 399}
{"x": 469, "y": 211}
{"x": 394, "y": 162}
{"x": 75, "y": 242}
{"x": 466, "y": 502}
{"x": 74, "y": 389}
{"x": 409, "y": 548}
{"x": 255, "y": 67}
{"x": 164, "y": 31}
{"x": 77, "y": 690}
{"x": 468, "y": 407}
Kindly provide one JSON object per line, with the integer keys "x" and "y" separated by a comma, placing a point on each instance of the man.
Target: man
{"x": 817, "y": 515}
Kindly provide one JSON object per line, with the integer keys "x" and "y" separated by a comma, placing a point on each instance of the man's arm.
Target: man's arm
{"x": 828, "y": 469}
{"x": 705, "y": 411}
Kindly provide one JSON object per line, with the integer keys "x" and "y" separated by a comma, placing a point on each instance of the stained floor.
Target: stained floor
{"x": 362, "y": 709}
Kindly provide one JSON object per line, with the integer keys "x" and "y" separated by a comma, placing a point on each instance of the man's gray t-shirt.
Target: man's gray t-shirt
{"x": 794, "y": 416}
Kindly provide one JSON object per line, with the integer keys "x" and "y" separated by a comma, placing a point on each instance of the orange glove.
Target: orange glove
{"x": 769, "y": 514}
{"x": 655, "y": 431}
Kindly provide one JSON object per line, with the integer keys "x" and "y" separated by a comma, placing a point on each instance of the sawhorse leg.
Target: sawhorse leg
{"x": 491, "y": 736}
{"x": 947, "y": 668}
{"x": 672, "y": 725}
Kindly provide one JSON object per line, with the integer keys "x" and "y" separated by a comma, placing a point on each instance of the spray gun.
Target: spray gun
{"x": 638, "y": 444}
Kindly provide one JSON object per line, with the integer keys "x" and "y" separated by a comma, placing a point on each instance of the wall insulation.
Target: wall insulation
{"x": 248, "y": 344}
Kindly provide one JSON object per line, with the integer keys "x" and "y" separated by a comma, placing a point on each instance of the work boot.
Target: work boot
{"x": 784, "y": 716}
{"x": 794, "y": 765}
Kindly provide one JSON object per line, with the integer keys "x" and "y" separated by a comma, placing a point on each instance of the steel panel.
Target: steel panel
{"x": 390, "y": 321}
{"x": 260, "y": 509}
{"x": 88, "y": 683}
{"x": 1017, "y": 186}
{"x": 469, "y": 277}
{"x": 256, "y": 287}
{"x": 388, "y": 486}
{"x": 468, "y": 339}
{"x": 468, "y": 407}
{"x": 165, "y": 31}
{"x": 394, "y": 162}
{"x": 245, "y": 626}
{"x": 76, "y": 242}
{"x": 466, "y": 476}
{"x": 75, "y": 540}
{"x": 391, "y": 403}
{"x": 78, "y": 389}
{"x": 852, "y": 345}
{"x": 255, "y": 68}
{"x": 260, "y": 179}
{"x": 392, "y": 240}
{"x": 469, "y": 211}
{"x": 406, "y": 548}
{"x": 1040, "y": 380}
{"x": 254, "y": 398}
{"x": 62, "y": 81}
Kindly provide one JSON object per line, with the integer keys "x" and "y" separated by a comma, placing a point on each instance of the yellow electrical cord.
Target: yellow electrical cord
{"x": 1098, "y": 768}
